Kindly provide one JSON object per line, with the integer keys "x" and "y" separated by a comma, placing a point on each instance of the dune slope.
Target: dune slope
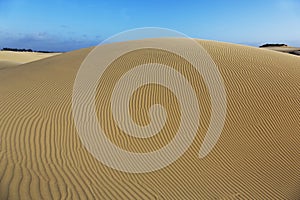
{"x": 256, "y": 157}
{"x": 290, "y": 50}
{"x": 23, "y": 57}
{"x": 6, "y": 64}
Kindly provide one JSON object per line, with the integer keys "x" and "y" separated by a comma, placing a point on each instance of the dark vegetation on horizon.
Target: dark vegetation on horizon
{"x": 26, "y": 50}
{"x": 274, "y": 45}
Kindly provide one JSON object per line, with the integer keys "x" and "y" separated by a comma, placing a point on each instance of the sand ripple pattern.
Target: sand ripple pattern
{"x": 152, "y": 73}
{"x": 256, "y": 157}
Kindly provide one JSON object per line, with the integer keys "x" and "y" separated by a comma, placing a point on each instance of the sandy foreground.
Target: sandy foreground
{"x": 256, "y": 157}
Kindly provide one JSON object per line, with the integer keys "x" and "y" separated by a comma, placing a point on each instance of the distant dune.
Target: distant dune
{"x": 10, "y": 58}
{"x": 256, "y": 157}
{"x": 285, "y": 49}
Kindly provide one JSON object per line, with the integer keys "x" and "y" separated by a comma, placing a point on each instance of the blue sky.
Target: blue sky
{"x": 61, "y": 25}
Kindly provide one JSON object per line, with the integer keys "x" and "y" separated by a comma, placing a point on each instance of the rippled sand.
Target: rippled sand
{"x": 256, "y": 157}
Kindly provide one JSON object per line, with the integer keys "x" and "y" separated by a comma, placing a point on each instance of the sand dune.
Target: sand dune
{"x": 285, "y": 49}
{"x": 6, "y": 64}
{"x": 22, "y": 57}
{"x": 256, "y": 157}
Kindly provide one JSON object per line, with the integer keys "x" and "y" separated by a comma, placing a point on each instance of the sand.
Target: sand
{"x": 256, "y": 157}
{"x": 6, "y": 64}
{"x": 285, "y": 49}
{"x": 11, "y": 58}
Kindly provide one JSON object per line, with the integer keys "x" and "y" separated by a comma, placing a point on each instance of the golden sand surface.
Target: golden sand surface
{"x": 11, "y": 58}
{"x": 257, "y": 155}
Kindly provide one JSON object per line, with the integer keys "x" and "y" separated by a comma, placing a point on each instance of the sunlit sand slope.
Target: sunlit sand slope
{"x": 23, "y": 57}
{"x": 256, "y": 157}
